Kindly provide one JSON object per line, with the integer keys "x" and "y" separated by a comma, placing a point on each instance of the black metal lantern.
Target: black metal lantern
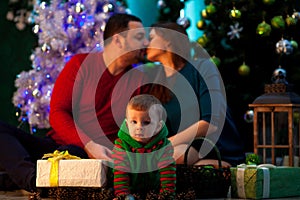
{"x": 276, "y": 125}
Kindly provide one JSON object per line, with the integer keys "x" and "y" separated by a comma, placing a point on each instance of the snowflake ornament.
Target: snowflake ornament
{"x": 235, "y": 31}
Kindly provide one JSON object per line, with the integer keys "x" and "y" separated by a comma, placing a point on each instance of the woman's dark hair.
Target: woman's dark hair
{"x": 180, "y": 45}
{"x": 160, "y": 90}
{"x": 178, "y": 40}
{"x": 118, "y": 23}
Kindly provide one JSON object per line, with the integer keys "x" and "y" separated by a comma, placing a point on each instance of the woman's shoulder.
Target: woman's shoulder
{"x": 201, "y": 63}
{"x": 204, "y": 66}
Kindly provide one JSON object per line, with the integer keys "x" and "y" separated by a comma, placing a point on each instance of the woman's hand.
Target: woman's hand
{"x": 98, "y": 151}
{"x": 181, "y": 140}
{"x": 198, "y": 129}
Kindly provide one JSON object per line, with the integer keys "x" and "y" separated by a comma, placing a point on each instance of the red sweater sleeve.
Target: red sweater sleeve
{"x": 61, "y": 117}
{"x": 167, "y": 170}
{"x": 121, "y": 169}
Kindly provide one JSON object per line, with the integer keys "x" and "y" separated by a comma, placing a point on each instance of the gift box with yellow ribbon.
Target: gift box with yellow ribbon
{"x": 62, "y": 169}
{"x": 264, "y": 181}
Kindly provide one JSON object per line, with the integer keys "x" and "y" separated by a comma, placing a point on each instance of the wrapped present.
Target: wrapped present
{"x": 264, "y": 181}
{"x": 63, "y": 169}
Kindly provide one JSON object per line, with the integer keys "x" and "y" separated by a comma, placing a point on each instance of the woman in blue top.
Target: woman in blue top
{"x": 193, "y": 95}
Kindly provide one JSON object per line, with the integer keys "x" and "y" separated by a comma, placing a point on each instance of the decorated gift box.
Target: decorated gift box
{"x": 264, "y": 181}
{"x": 63, "y": 169}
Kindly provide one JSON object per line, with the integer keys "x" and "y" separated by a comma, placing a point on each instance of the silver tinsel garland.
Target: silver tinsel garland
{"x": 64, "y": 28}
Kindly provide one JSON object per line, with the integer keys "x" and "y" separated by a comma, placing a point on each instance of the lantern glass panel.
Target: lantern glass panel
{"x": 264, "y": 128}
{"x": 281, "y": 131}
{"x": 272, "y": 128}
{"x": 296, "y": 132}
{"x": 280, "y": 154}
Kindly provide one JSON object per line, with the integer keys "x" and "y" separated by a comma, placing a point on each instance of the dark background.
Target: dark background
{"x": 15, "y": 49}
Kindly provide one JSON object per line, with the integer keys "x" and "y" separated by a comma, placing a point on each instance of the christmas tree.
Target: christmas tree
{"x": 64, "y": 28}
{"x": 248, "y": 40}
{"x": 251, "y": 39}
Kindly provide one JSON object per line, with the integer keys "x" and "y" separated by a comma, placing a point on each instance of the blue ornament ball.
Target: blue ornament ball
{"x": 129, "y": 197}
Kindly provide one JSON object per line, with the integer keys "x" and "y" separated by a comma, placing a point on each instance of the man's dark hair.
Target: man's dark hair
{"x": 118, "y": 23}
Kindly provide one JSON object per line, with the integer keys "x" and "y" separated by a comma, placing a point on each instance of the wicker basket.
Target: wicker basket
{"x": 206, "y": 181}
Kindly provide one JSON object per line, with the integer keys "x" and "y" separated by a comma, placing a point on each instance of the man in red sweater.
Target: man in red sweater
{"x": 87, "y": 104}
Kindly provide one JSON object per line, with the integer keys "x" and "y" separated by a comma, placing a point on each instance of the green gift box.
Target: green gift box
{"x": 264, "y": 181}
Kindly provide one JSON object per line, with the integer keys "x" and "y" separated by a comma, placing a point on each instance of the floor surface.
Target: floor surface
{"x": 23, "y": 195}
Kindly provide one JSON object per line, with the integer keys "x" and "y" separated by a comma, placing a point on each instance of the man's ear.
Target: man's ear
{"x": 167, "y": 45}
{"x": 117, "y": 40}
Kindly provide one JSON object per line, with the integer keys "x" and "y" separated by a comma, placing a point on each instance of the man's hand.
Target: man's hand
{"x": 98, "y": 151}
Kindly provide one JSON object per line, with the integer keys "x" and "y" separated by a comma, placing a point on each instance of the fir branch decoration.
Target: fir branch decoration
{"x": 252, "y": 159}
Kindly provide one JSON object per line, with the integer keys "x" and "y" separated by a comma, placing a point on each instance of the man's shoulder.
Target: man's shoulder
{"x": 81, "y": 57}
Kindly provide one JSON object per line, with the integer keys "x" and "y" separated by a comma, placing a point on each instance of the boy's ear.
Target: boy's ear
{"x": 126, "y": 124}
{"x": 159, "y": 126}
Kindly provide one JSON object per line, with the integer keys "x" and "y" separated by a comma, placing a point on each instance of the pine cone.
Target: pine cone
{"x": 34, "y": 196}
{"x": 188, "y": 195}
{"x": 152, "y": 196}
